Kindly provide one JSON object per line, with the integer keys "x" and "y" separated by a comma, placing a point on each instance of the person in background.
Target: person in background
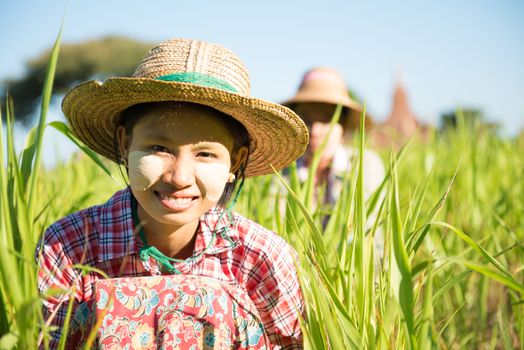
{"x": 170, "y": 263}
{"x": 316, "y": 100}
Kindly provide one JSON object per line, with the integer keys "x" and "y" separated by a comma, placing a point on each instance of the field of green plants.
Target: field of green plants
{"x": 451, "y": 212}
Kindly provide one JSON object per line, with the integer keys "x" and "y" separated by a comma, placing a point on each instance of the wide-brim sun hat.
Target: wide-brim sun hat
{"x": 326, "y": 85}
{"x": 194, "y": 71}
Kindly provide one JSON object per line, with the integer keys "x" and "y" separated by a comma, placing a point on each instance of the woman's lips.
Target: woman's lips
{"x": 175, "y": 202}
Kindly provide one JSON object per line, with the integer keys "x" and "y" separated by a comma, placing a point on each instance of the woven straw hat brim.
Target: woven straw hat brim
{"x": 277, "y": 135}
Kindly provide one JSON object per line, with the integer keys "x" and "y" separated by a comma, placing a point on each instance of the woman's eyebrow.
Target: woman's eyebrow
{"x": 208, "y": 144}
{"x": 157, "y": 138}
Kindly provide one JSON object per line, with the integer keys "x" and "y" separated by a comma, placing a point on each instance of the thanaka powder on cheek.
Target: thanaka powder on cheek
{"x": 144, "y": 170}
{"x": 213, "y": 178}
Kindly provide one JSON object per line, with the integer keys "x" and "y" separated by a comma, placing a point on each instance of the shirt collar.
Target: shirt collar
{"x": 216, "y": 220}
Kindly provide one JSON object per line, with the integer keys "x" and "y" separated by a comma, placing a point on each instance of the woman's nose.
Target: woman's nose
{"x": 319, "y": 129}
{"x": 180, "y": 171}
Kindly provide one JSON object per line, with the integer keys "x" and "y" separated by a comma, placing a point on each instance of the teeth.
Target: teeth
{"x": 177, "y": 201}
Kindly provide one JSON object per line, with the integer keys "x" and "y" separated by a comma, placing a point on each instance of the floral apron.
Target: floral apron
{"x": 167, "y": 312}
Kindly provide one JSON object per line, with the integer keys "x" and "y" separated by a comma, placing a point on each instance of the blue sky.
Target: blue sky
{"x": 466, "y": 53}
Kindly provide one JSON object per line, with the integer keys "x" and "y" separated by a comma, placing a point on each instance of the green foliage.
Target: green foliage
{"x": 451, "y": 274}
{"x": 111, "y": 56}
{"x": 468, "y": 117}
{"x": 21, "y": 320}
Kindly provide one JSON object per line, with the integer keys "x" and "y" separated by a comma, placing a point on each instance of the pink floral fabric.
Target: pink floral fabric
{"x": 167, "y": 312}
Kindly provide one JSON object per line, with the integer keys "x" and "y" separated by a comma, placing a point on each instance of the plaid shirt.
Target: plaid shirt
{"x": 243, "y": 253}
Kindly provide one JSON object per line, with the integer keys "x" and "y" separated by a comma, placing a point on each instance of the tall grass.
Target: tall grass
{"x": 21, "y": 318}
{"x": 450, "y": 212}
{"x": 452, "y": 271}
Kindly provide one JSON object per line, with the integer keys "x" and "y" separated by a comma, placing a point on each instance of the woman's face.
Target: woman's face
{"x": 179, "y": 160}
{"x": 317, "y": 117}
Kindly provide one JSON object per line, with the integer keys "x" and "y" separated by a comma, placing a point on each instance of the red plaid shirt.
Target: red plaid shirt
{"x": 243, "y": 253}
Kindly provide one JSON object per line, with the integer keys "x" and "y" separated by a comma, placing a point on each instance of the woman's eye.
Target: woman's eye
{"x": 158, "y": 148}
{"x": 206, "y": 155}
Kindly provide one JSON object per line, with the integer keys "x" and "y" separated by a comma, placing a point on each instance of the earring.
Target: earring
{"x": 123, "y": 161}
{"x": 232, "y": 177}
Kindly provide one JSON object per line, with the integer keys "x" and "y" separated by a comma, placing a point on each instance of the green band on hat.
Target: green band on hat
{"x": 198, "y": 79}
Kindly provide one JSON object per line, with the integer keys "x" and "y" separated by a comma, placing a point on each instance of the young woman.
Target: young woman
{"x": 317, "y": 97}
{"x": 183, "y": 269}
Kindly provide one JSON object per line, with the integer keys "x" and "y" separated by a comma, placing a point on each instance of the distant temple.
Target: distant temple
{"x": 400, "y": 125}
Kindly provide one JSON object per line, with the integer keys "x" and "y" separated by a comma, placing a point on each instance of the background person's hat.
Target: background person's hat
{"x": 326, "y": 85}
{"x": 188, "y": 71}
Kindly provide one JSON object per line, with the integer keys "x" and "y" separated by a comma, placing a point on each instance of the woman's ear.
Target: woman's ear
{"x": 124, "y": 140}
{"x": 238, "y": 159}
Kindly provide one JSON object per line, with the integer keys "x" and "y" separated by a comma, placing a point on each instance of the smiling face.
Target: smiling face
{"x": 179, "y": 161}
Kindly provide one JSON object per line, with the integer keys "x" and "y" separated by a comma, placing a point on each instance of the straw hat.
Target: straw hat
{"x": 188, "y": 71}
{"x": 326, "y": 85}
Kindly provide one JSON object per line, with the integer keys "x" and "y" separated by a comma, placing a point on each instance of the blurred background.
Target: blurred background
{"x": 411, "y": 62}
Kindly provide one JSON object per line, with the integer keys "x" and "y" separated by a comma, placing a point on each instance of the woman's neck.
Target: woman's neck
{"x": 173, "y": 241}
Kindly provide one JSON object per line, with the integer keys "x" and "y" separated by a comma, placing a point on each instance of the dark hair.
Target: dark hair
{"x": 130, "y": 117}
{"x": 345, "y": 118}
